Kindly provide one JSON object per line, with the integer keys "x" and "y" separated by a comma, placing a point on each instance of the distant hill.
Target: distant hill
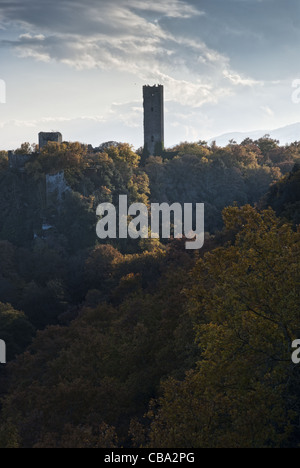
{"x": 287, "y": 134}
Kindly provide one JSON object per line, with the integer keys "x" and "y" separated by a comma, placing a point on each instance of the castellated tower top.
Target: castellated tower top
{"x": 44, "y": 138}
{"x": 153, "y": 119}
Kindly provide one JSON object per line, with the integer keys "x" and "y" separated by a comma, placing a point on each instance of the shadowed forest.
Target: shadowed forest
{"x": 129, "y": 343}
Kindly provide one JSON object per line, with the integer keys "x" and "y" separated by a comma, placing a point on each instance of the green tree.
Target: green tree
{"x": 15, "y": 330}
{"x": 244, "y": 301}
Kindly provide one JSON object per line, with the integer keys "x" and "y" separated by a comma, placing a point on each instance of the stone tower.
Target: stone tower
{"x": 52, "y": 136}
{"x": 153, "y": 120}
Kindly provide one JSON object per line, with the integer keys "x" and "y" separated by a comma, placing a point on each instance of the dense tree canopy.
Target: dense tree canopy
{"x": 139, "y": 343}
{"x": 244, "y": 300}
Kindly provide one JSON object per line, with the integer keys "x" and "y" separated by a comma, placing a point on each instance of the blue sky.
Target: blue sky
{"x": 79, "y": 67}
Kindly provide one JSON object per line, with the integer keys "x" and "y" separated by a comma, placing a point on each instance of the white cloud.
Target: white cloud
{"x": 26, "y": 52}
{"x": 237, "y": 80}
{"x": 267, "y": 111}
{"x": 169, "y": 8}
{"x": 125, "y": 35}
{"x": 148, "y": 41}
{"x": 38, "y": 37}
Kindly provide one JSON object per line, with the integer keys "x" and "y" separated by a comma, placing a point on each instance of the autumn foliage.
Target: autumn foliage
{"x": 142, "y": 343}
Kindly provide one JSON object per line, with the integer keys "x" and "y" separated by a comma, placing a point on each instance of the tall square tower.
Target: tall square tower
{"x": 153, "y": 119}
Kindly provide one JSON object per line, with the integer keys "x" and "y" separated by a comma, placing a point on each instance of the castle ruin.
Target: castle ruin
{"x": 44, "y": 138}
{"x": 56, "y": 187}
{"x": 18, "y": 161}
{"x": 153, "y": 120}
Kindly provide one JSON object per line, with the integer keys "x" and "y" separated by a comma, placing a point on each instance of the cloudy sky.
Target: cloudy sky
{"x": 79, "y": 67}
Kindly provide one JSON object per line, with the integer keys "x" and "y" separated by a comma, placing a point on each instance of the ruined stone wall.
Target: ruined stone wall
{"x": 18, "y": 161}
{"x": 56, "y": 187}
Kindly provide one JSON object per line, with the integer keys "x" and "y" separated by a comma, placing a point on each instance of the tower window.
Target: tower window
{"x": 152, "y": 109}
{"x": 152, "y": 138}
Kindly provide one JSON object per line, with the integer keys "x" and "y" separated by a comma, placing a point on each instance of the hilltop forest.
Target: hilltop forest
{"x": 142, "y": 343}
